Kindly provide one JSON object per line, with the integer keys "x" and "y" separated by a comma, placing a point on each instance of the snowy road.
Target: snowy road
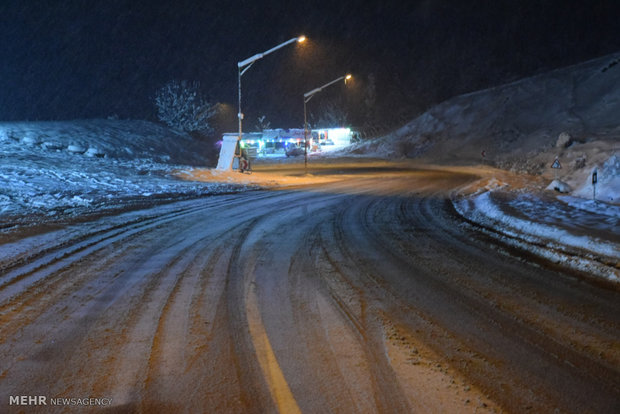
{"x": 365, "y": 295}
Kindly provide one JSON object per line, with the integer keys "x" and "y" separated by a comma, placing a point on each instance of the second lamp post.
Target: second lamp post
{"x": 307, "y": 97}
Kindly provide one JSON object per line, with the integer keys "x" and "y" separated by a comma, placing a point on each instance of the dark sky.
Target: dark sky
{"x": 83, "y": 59}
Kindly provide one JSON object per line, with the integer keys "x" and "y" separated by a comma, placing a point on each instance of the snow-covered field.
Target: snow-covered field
{"x": 55, "y": 168}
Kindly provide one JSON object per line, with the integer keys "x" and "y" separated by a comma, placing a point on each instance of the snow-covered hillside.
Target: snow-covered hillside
{"x": 56, "y": 168}
{"x": 570, "y": 113}
{"x": 116, "y": 139}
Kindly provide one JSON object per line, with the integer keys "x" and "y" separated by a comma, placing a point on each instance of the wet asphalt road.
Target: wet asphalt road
{"x": 343, "y": 297}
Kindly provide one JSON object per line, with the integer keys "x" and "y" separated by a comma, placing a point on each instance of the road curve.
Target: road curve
{"x": 363, "y": 295}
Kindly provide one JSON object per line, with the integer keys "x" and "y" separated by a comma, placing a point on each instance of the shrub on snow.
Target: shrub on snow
{"x": 180, "y": 106}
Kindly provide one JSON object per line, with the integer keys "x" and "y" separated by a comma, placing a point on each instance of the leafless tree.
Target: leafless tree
{"x": 181, "y": 106}
{"x": 262, "y": 123}
{"x": 331, "y": 115}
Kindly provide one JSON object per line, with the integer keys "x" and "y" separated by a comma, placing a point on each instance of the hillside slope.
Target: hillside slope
{"x": 523, "y": 116}
{"x": 517, "y": 126}
{"x": 62, "y": 168}
{"x": 117, "y": 139}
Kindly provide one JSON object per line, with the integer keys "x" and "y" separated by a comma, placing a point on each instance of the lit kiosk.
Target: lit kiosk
{"x": 230, "y": 149}
{"x": 228, "y": 152}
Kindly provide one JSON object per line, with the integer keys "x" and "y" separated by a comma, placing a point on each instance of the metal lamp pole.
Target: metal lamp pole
{"x": 307, "y": 97}
{"x": 244, "y": 65}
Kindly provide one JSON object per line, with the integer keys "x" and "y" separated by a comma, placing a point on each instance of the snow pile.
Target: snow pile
{"x": 559, "y": 186}
{"x": 608, "y": 185}
{"x": 53, "y": 168}
{"x": 575, "y": 232}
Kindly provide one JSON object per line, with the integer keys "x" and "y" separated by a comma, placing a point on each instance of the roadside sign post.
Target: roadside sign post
{"x": 594, "y": 181}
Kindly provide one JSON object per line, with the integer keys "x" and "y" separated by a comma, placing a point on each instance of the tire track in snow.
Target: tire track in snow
{"x": 497, "y": 329}
{"x": 357, "y": 304}
{"x": 87, "y": 310}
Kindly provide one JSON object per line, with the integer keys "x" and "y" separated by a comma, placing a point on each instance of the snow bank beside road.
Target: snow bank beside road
{"x": 608, "y": 185}
{"x": 583, "y": 238}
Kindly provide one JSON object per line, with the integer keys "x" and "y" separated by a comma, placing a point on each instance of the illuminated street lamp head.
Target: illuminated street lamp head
{"x": 301, "y": 39}
{"x": 347, "y": 77}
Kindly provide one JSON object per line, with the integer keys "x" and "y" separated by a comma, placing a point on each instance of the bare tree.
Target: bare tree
{"x": 181, "y": 106}
{"x": 331, "y": 115}
{"x": 262, "y": 123}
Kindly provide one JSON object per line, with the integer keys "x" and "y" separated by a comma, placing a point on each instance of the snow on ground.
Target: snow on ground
{"x": 59, "y": 168}
{"x": 281, "y": 177}
{"x": 54, "y": 168}
{"x": 570, "y": 114}
{"x": 608, "y": 185}
{"x": 579, "y": 233}
{"x": 594, "y": 206}
{"x": 510, "y": 125}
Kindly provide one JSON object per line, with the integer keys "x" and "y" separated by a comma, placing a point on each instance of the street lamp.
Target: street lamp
{"x": 307, "y": 97}
{"x": 244, "y": 65}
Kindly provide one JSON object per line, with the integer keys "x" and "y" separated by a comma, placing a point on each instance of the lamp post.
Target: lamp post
{"x": 307, "y": 97}
{"x": 244, "y": 65}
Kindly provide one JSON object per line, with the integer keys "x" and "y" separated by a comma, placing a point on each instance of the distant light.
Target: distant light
{"x": 301, "y": 39}
{"x": 349, "y": 76}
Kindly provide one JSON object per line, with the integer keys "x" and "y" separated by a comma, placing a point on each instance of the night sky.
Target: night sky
{"x": 84, "y": 59}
